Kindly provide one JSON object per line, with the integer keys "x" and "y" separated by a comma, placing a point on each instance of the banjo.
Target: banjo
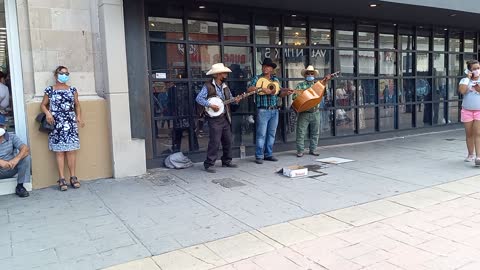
{"x": 221, "y": 104}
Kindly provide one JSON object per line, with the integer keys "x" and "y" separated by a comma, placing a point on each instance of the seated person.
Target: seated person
{"x": 14, "y": 159}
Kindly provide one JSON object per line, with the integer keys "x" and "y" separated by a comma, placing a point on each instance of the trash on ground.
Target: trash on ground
{"x": 334, "y": 160}
{"x": 178, "y": 161}
{"x": 295, "y": 171}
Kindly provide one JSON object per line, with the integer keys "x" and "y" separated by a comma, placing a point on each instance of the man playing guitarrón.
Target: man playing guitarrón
{"x": 219, "y": 127}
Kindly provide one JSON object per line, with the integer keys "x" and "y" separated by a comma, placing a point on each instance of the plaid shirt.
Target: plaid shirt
{"x": 264, "y": 100}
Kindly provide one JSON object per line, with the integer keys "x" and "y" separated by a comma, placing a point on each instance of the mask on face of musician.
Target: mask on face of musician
{"x": 310, "y": 78}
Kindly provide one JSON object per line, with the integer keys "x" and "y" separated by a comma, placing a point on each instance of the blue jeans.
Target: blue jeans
{"x": 267, "y": 122}
{"x": 22, "y": 170}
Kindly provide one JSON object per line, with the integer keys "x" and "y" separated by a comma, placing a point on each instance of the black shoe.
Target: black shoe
{"x": 210, "y": 170}
{"x": 229, "y": 165}
{"x": 313, "y": 153}
{"x": 272, "y": 158}
{"x": 21, "y": 192}
{"x": 259, "y": 161}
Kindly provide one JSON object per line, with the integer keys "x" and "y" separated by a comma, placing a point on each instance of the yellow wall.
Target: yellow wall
{"x": 94, "y": 159}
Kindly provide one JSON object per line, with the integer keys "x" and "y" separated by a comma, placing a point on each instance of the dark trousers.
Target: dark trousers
{"x": 220, "y": 133}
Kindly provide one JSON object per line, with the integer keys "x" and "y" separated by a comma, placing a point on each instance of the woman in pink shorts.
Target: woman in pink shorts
{"x": 470, "y": 89}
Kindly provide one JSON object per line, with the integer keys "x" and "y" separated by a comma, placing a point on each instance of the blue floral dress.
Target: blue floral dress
{"x": 64, "y": 137}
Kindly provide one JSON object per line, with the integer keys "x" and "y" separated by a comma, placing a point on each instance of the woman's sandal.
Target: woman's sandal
{"x": 74, "y": 182}
{"x": 62, "y": 184}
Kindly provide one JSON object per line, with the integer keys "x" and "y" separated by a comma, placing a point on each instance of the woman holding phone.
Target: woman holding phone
{"x": 469, "y": 87}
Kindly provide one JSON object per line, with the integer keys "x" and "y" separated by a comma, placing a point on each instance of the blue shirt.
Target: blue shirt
{"x": 9, "y": 147}
{"x": 202, "y": 96}
{"x": 264, "y": 100}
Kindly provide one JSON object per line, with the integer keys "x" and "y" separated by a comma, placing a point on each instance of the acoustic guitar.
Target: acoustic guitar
{"x": 269, "y": 84}
{"x": 312, "y": 96}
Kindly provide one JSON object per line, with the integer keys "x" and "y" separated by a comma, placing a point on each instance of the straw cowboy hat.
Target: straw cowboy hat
{"x": 218, "y": 68}
{"x": 310, "y": 68}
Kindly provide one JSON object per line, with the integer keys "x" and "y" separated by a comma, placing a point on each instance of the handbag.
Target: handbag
{"x": 45, "y": 127}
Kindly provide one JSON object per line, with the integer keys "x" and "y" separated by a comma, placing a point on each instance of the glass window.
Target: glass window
{"x": 388, "y": 63}
{"x": 387, "y": 41}
{"x": 423, "y": 64}
{"x": 453, "y": 88}
{"x": 453, "y": 112}
{"x": 344, "y": 115}
{"x": 407, "y": 64}
{"x": 201, "y": 59}
{"x": 274, "y": 53}
{"x": 165, "y": 28}
{"x": 439, "y": 92}
{"x": 439, "y": 41}
{"x": 236, "y": 32}
{"x": 236, "y": 26}
{"x": 295, "y": 60}
{"x": 267, "y": 30}
{"x": 321, "y": 37}
{"x": 321, "y": 33}
{"x": 454, "y": 41}
{"x": 423, "y": 43}
{"x": 406, "y": 94}
{"x": 239, "y": 60}
{"x": 387, "y": 92}
{"x": 469, "y": 42}
{"x": 407, "y": 42}
{"x": 344, "y": 38}
{"x": 423, "y": 90}
{"x": 366, "y": 92}
{"x": 439, "y": 64}
{"x": 172, "y": 125}
{"x": 439, "y": 44}
{"x": 295, "y": 36}
{"x": 366, "y": 63}
{"x": 295, "y": 30}
{"x": 366, "y": 40}
{"x": 168, "y": 60}
{"x": 469, "y": 45}
{"x": 366, "y": 120}
{"x": 202, "y": 30}
{"x": 454, "y": 65}
{"x": 322, "y": 61}
{"x": 346, "y": 59}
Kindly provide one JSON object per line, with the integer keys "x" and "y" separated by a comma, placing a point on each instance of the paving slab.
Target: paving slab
{"x": 112, "y": 221}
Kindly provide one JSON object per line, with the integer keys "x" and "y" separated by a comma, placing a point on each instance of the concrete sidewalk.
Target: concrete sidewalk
{"x": 109, "y": 222}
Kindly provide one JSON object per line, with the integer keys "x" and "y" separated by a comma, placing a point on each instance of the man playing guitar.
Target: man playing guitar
{"x": 267, "y": 110}
{"x": 219, "y": 126}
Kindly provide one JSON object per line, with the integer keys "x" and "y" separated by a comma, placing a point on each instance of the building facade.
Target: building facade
{"x": 138, "y": 65}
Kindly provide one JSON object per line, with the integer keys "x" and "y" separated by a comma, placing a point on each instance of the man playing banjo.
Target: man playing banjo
{"x": 219, "y": 126}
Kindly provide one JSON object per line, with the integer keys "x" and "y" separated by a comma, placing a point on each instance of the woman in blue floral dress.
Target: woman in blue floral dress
{"x": 62, "y": 108}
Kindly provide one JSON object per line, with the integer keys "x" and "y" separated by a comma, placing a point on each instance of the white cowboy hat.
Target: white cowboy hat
{"x": 310, "y": 68}
{"x": 218, "y": 68}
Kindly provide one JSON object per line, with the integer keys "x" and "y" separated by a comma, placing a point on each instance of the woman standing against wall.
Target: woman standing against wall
{"x": 62, "y": 108}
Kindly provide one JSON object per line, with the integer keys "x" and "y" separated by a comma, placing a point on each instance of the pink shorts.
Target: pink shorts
{"x": 470, "y": 115}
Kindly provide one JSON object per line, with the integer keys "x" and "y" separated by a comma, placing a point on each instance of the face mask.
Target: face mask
{"x": 63, "y": 78}
{"x": 310, "y": 78}
{"x": 2, "y": 131}
{"x": 476, "y": 73}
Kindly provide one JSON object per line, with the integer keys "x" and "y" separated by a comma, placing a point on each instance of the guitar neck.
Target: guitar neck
{"x": 244, "y": 95}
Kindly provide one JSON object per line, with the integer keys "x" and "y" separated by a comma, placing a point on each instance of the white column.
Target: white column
{"x": 128, "y": 154}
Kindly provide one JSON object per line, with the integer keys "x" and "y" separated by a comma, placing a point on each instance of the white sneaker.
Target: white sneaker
{"x": 470, "y": 158}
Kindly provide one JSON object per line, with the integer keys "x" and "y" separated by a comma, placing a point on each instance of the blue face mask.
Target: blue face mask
{"x": 63, "y": 78}
{"x": 310, "y": 78}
